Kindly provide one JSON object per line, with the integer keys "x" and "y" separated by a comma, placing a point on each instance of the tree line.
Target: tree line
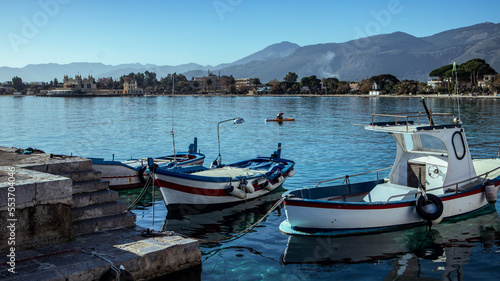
{"x": 468, "y": 75}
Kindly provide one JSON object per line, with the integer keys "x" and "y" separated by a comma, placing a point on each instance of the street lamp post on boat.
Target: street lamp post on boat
{"x": 237, "y": 120}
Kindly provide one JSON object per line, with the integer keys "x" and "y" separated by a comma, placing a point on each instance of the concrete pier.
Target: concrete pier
{"x": 57, "y": 211}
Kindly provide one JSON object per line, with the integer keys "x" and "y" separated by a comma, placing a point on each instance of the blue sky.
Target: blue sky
{"x": 209, "y": 32}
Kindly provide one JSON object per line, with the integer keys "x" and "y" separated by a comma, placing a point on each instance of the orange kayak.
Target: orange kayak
{"x": 280, "y": 120}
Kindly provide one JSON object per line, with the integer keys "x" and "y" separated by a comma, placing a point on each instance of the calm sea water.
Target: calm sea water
{"x": 324, "y": 143}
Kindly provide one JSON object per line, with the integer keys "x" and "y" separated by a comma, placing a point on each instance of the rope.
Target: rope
{"x": 237, "y": 235}
{"x": 143, "y": 192}
{"x": 117, "y": 270}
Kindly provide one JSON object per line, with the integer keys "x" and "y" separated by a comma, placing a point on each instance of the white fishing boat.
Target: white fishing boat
{"x": 197, "y": 189}
{"x": 133, "y": 173}
{"x": 438, "y": 243}
{"x": 433, "y": 177}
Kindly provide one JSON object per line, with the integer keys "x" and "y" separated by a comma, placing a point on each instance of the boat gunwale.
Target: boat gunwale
{"x": 446, "y": 196}
{"x": 179, "y": 174}
{"x": 101, "y": 161}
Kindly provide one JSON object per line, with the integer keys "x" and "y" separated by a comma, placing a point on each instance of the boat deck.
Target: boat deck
{"x": 485, "y": 165}
{"x": 228, "y": 171}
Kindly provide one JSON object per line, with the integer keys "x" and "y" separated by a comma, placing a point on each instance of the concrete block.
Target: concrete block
{"x": 60, "y": 166}
{"x": 59, "y": 188}
{"x": 37, "y": 226}
{"x": 143, "y": 258}
{"x": 33, "y": 187}
{"x": 24, "y": 194}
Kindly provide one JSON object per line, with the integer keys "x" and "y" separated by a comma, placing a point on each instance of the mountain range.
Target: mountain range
{"x": 400, "y": 54}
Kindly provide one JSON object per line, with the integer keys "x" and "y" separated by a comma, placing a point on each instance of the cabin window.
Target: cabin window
{"x": 430, "y": 143}
{"x": 458, "y": 145}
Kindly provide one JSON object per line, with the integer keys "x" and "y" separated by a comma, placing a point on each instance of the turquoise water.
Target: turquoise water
{"x": 324, "y": 143}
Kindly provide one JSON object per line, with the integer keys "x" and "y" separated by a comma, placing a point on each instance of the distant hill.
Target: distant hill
{"x": 400, "y": 54}
{"x": 47, "y": 72}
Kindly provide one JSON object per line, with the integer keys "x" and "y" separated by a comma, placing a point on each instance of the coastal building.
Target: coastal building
{"x": 243, "y": 83}
{"x": 209, "y": 82}
{"x": 354, "y": 86}
{"x": 77, "y": 83}
{"x": 488, "y": 78}
{"x": 130, "y": 88}
{"x": 79, "y": 86}
{"x": 375, "y": 90}
{"x": 434, "y": 83}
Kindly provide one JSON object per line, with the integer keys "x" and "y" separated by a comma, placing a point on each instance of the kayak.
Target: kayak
{"x": 280, "y": 120}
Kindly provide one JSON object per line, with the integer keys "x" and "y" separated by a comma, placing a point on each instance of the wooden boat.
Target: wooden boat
{"x": 133, "y": 173}
{"x": 433, "y": 178}
{"x": 280, "y": 120}
{"x": 196, "y": 189}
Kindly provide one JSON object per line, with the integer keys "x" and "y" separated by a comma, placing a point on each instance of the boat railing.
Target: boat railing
{"x": 406, "y": 118}
{"x": 350, "y": 176}
{"x": 484, "y": 176}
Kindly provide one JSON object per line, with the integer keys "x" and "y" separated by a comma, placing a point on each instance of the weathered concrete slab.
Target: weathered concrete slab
{"x": 40, "y": 212}
{"x": 144, "y": 258}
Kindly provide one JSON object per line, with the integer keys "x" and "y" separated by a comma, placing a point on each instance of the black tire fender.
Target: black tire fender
{"x": 141, "y": 174}
{"x": 431, "y": 199}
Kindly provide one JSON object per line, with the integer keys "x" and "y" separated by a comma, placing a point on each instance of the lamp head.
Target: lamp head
{"x": 238, "y": 120}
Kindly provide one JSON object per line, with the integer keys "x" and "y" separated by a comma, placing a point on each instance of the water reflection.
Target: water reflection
{"x": 216, "y": 226}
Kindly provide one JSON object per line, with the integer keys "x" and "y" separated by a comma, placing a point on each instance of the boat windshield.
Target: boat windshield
{"x": 425, "y": 143}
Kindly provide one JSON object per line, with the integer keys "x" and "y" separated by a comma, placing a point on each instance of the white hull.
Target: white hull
{"x": 119, "y": 175}
{"x": 376, "y": 215}
{"x": 178, "y": 191}
{"x": 133, "y": 173}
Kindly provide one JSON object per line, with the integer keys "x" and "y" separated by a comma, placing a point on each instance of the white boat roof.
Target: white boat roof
{"x": 409, "y": 122}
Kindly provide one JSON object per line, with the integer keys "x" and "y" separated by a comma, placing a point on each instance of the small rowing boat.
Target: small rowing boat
{"x": 133, "y": 173}
{"x": 197, "y": 189}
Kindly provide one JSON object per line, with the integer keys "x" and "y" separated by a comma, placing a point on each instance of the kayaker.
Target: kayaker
{"x": 279, "y": 116}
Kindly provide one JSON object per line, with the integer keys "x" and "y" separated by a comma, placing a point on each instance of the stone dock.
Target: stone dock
{"x": 60, "y": 221}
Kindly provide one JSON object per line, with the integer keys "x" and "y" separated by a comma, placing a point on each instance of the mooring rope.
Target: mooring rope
{"x": 143, "y": 192}
{"x": 237, "y": 235}
{"x": 93, "y": 252}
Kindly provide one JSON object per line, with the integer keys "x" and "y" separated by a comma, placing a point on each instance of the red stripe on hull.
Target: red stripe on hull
{"x": 365, "y": 206}
{"x": 191, "y": 189}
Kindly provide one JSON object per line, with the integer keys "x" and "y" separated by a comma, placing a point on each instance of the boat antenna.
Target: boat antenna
{"x": 428, "y": 112}
{"x": 457, "y": 100}
{"x": 172, "y": 132}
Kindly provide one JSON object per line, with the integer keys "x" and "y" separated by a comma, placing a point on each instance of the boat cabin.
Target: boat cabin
{"x": 428, "y": 155}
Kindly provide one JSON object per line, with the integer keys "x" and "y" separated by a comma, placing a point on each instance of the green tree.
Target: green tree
{"x": 17, "y": 83}
{"x": 331, "y": 85}
{"x": 441, "y": 72}
{"x": 208, "y": 83}
{"x": 311, "y": 82}
{"x": 256, "y": 81}
{"x": 291, "y": 77}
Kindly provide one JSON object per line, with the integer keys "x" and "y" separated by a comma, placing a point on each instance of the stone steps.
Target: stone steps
{"x": 117, "y": 221}
{"x": 90, "y": 186}
{"x": 83, "y": 175}
{"x": 94, "y": 197}
{"x": 95, "y": 207}
{"x": 98, "y": 210}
